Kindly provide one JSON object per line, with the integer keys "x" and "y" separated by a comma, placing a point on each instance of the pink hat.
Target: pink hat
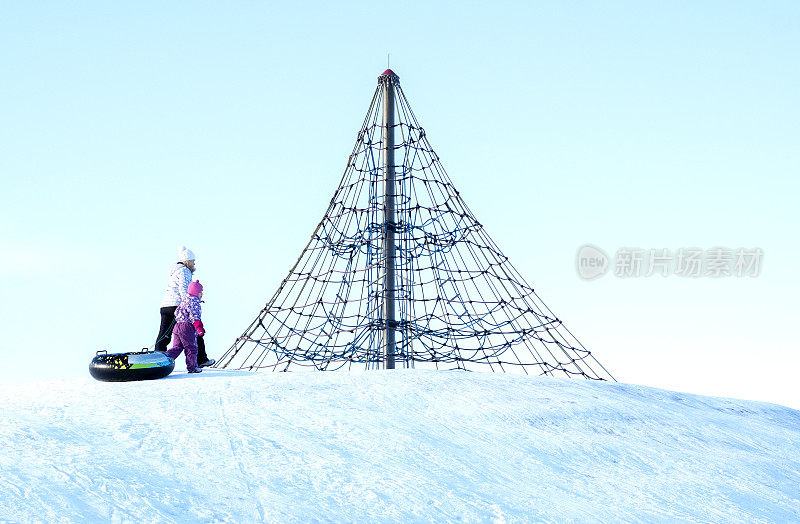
{"x": 195, "y": 288}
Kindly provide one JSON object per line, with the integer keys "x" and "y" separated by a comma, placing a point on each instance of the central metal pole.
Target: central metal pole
{"x": 388, "y": 78}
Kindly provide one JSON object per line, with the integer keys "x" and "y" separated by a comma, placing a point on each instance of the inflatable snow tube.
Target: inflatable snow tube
{"x": 124, "y": 367}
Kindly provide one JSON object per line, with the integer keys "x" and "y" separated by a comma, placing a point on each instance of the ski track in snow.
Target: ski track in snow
{"x": 415, "y": 446}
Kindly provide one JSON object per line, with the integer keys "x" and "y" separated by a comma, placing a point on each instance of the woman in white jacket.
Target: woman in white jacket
{"x": 179, "y": 278}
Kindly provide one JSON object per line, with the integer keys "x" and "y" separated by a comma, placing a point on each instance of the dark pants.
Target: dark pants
{"x": 165, "y": 334}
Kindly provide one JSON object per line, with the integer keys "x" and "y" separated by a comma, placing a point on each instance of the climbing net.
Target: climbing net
{"x": 460, "y": 303}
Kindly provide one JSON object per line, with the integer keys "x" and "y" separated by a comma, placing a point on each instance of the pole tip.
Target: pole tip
{"x": 389, "y": 77}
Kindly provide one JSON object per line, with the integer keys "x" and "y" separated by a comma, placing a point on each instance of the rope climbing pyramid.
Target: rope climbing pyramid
{"x": 400, "y": 273}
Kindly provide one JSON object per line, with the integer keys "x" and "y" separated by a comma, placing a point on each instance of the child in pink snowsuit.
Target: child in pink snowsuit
{"x": 187, "y": 326}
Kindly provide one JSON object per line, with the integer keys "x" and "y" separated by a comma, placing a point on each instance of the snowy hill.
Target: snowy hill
{"x": 391, "y": 446}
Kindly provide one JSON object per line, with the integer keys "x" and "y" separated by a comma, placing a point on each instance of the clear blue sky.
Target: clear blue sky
{"x": 129, "y": 129}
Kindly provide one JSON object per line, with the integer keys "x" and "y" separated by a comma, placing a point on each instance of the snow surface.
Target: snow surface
{"x": 391, "y": 446}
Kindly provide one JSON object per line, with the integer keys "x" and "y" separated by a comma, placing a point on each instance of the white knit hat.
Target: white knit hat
{"x": 185, "y": 254}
